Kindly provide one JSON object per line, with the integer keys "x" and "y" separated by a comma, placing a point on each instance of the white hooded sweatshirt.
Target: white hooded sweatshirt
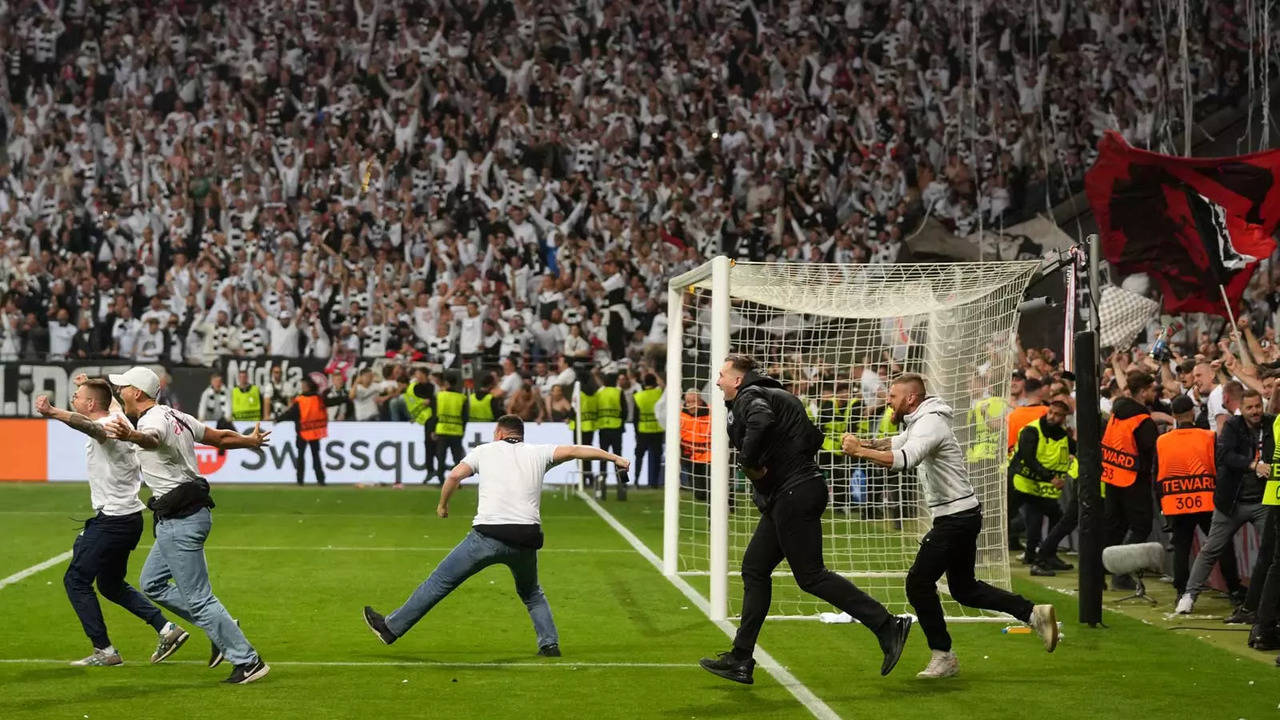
{"x": 928, "y": 443}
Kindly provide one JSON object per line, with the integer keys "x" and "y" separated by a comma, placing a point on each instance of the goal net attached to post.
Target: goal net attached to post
{"x": 834, "y": 335}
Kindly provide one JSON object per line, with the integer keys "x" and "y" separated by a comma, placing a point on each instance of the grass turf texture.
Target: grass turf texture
{"x": 301, "y": 604}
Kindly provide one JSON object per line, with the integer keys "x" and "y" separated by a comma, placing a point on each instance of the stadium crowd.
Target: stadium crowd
{"x": 183, "y": 181}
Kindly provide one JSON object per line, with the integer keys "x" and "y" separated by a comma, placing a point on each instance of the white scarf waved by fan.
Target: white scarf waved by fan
{"x": 1123, "y": 315}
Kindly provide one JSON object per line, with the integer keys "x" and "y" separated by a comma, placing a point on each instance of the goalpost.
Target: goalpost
{"x": 833, "y": 334}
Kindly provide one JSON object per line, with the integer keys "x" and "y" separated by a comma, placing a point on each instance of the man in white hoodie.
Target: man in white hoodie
{"x": 928, "y": 443}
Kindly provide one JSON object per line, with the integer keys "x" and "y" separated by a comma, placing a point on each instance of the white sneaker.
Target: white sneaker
{"x": 941, "y": 665}
{"x": 99, "y": 658}
{"x": 1186, "y": 604}
{"x": 1045, "y": 623}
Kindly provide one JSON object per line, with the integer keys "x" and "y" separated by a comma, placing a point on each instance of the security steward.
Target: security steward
{"x": 649, "y": 434}
{"x": 419, "y": 396}
{"x": 1043, "y": 461}
{"x": 609, "y": 409}
{"x": 587, "y": 412}
{"x": 246, "y": 400}
{"x": 695, "y": 445}
{"x": 776, "y": 445}
{"x": 1185, "y": 477}
{"x": 1019, "y": 418}
{"x": 308, "y": 410}
{"x": 883, "y": 483}
{"x": 1266, "y": 630}
{"x": 480, "y": 405}
{"x": 449, "y": 424}
{"x": 836, "y": 416}
{"x": 1128, "y": 463}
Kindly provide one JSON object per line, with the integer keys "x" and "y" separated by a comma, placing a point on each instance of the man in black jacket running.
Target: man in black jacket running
{"x": 776, "y": 445}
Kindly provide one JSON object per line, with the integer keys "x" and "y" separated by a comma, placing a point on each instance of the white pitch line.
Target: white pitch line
{"x": 404, "y": 663}
{"x": 356, "y": 548}
{"x": 18, "y": 576}
{"x": 799, "y": 690}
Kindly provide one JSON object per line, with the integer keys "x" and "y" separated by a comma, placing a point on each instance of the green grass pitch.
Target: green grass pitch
{"x": 296, "y": 565}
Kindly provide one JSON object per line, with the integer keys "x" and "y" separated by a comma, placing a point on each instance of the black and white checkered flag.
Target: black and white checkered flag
{"x": 1123, "y": 315}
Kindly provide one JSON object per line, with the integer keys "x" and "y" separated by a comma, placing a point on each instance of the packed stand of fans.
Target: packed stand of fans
{"x": 449, "y": 181}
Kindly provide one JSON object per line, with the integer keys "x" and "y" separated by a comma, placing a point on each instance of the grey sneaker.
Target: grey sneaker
{"x": 99, "y": 659}
{"x": 171, "y": 638}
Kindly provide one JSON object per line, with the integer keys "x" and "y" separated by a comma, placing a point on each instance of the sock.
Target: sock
{"x": 108, "y": 650}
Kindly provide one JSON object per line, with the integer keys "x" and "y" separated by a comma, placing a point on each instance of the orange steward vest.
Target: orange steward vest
{"x": 1120, "y": 451}
{"x": 313, "y": 421}
{"x": 1185, "y": 471}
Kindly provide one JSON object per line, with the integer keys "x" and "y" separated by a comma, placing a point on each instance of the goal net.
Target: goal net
{"x": 834, "y": 335}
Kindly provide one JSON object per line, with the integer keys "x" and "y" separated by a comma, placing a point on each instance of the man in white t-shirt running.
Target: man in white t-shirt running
{"x": 101, "y": 551}
{"x": 507, "y": 529}
{"x": 180, "y": 500}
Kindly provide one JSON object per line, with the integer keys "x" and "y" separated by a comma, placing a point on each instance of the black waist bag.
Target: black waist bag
{"x": 185, "y": 500}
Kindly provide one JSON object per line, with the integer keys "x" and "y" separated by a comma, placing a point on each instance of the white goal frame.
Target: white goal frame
{"x": 717, "y": 275}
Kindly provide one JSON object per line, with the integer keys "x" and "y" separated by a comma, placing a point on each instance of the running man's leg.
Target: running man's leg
{"x": 181, "y": 542}
{"x": 473, "y": 554}
{"x": 524, "y": 569}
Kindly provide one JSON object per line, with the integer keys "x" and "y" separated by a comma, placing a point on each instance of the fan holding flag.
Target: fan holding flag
{"x": 1197, "y": 226}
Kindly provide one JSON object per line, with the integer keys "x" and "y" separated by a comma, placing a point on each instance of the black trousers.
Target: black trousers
{"x": 1035, "y": 508}
{"x": 951, "y": 549}
{"x": 1128, "y": 513}
{"x": 839, "y": 469}
{"x": 610, "y": 441}
{"x": 447, "y": 445}
{"x": 301, "y": 465}
{"x": 101, "y": 553}
{"x": 1065, "y": 526}
{"x": 429, "y": 450}
{"x": 650, "y": 444}
{"x": 1013, "y": 506}
{"x": 588, "y": 438}
{"x": 791, "y": 529}
{"x": 1261, "y": 566}
{"x": 696, "y": 477}
{"x": 1184, "y": 532}
{"x": 1269, "y": 598}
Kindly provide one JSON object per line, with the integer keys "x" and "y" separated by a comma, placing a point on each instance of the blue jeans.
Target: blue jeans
{"x": 397, "y": 410}
{"x": 475, "y": 553}
{"x": 178, "y": 555}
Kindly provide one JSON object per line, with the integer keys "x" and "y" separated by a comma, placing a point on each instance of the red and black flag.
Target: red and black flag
{"x": 1190, "y": 223}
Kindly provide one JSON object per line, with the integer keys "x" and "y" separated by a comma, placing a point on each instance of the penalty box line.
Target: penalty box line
{"x": 799, "y": 690}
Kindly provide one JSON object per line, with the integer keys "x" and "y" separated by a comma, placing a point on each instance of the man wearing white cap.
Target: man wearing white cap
{"x": 180, "y": 500}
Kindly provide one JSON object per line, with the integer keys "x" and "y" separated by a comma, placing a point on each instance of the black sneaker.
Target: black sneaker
{"x": 1237, "y": 597}
{"x": 215, "y": 652}
{"x": 248, "y": 672}
{"x": 1242, "y": 617}
{"x": 1264, "y": 639}
{"x": 552, "y": 650}
{"x": 378, "y": 625}
{"x": 1053, "y": 562}
{"x": 1042, "y": 571}
{"x": 730, "y": 668}
{"x": 893, "y": 638}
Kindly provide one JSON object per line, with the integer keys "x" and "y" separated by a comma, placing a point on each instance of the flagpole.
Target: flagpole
{"x": 1231, "y": 317}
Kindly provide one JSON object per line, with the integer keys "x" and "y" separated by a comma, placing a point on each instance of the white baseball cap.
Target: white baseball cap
{"x": 142, "y": 378}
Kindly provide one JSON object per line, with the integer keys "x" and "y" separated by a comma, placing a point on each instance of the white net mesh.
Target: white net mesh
{"x": 834, "y": 335}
